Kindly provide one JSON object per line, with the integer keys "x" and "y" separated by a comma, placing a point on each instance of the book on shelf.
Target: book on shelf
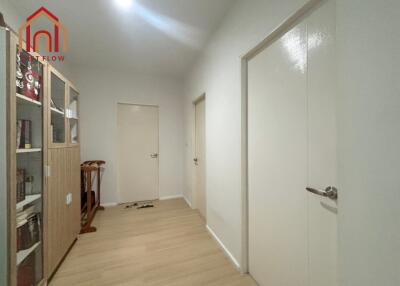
{"x": 29, "y": 185}
{"x": 21, "y": 193}
{"x": 28, "y": 234}
{"x": 19, "y": 127}
{"x": 24, "y": 134}
{"x": 26, "y": 274}
{"x": 24, "y": 214}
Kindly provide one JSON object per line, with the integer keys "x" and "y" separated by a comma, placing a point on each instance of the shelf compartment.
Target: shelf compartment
{"x": 24, "y": 99}
{"x": 28, "y": 199}
{"x": 32, "y": 150}
{"x": 21, "y": 255}
{"x": 55, "y": 110}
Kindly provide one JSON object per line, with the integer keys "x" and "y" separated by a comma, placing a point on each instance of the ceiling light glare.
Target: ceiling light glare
{"x": 124, "y": 4}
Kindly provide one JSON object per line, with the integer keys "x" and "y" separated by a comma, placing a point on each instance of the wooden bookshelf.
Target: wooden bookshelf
{"x": 31, "y": 161}
{"x": 53, "y": 162}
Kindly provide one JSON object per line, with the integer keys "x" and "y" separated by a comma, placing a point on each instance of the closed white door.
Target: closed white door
{"x": 137, "y": 152}
{"x": 292, "y": 146}
{"x": 200, "y": 157}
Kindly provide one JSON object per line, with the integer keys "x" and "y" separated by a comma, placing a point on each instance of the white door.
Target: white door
{"x": 137, "y": 152}
{"x": 200, "y": 157}
{"x": 292, "y": 145}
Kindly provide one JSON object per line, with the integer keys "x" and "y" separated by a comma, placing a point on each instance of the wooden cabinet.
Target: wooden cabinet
{"x": 64, "y": 167}
{"x": 64, "y": 181}
{"x": 43, "y": 164}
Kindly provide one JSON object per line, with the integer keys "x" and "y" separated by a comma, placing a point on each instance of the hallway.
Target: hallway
{"x": 265, "y": 132}
{"x": 165, "y": 245}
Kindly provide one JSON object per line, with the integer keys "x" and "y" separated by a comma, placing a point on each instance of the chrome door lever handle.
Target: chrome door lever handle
{"x": 329, "y": 192}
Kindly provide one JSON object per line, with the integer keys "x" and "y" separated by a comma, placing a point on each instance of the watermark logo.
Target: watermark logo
{"x": 52, "y": 38}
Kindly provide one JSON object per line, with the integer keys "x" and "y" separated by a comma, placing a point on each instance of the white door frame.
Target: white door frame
{"x": 289, "y": 23}
{"x": 194, "y": 102}
{"x": 158, "y": 161}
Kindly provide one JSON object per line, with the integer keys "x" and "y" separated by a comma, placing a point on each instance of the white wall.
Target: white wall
{"x": 368, "y": 45}
{"x": 11, "y": 16}
{"x": 218, "y": 74}
{"x": 101, "y": 90}
{"x": 368, "y": 38}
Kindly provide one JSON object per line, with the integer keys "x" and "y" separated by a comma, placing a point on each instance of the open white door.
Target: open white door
{"x": 291, "y": 146}
{"x": 137, "y": 152}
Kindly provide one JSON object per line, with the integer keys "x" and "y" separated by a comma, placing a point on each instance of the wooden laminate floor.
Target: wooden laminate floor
{"x": 163, "y": 246}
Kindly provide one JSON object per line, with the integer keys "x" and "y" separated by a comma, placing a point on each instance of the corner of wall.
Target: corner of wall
{"x": 188, "y": 202}
{"x": 224, "y": 249}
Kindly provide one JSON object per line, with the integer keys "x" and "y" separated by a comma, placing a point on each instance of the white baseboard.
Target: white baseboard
{"x": 108, "y": 205}
{"x": 226, "y": 251}
{"x": 188, "y": 202}
{"x": 171, "y": 197}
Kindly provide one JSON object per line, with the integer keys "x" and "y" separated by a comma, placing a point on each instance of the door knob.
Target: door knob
{"x": 154, "y": 155}
{"x": 329, "y": 192}
{"x": 196, "y": 161}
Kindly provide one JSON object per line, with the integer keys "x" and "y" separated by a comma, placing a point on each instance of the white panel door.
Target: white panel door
{"x": 137, "y": 152}
{"x": 200, "y": 157}
{"x": 292, "y": 145}
{"x": 322, "y": 141}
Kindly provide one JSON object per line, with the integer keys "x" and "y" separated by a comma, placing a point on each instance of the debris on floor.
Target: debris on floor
{"x": 145, "y": 206}
{"x": 140, "y": 205}
{"x": 131, "y": 205}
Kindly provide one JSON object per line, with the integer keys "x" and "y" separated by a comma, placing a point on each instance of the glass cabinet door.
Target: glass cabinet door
{"x": 73, "y": 116}
{"x": 57, "y": 108}
{"x": 28, "y": 188}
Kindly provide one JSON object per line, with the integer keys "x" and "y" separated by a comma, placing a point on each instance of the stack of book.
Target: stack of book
{"x": 24, "y": 134}
{"x": 28, "y": 228}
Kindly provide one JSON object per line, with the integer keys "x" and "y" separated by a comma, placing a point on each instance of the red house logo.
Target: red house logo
{"x": 52, "y": 38}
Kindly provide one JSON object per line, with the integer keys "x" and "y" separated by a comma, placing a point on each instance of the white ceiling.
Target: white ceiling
{"x": 152, "y": 36}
